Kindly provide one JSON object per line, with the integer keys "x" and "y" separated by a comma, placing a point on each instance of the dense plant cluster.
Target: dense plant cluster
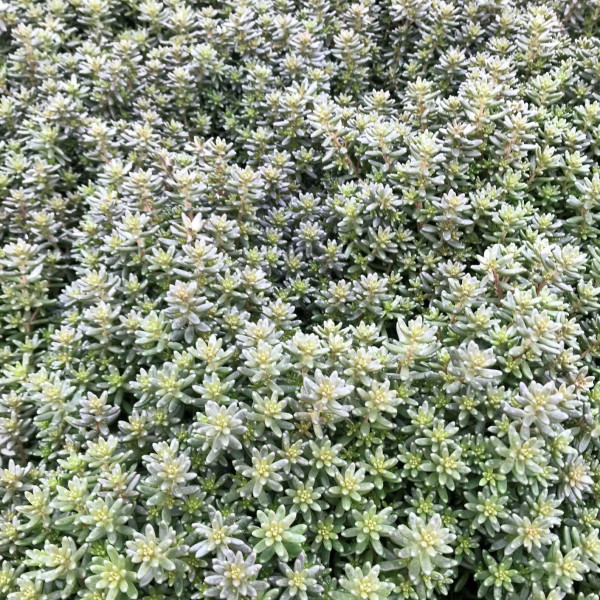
{"x": 299, "y": 299}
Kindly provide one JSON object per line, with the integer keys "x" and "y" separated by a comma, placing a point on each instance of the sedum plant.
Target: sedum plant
{"x": 299, "y": 299}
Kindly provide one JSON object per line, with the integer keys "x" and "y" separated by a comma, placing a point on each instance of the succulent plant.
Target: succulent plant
{"x": 299, "y": 299}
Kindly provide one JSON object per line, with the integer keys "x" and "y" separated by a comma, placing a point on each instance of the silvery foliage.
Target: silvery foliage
{"x": 299, "y": 299}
